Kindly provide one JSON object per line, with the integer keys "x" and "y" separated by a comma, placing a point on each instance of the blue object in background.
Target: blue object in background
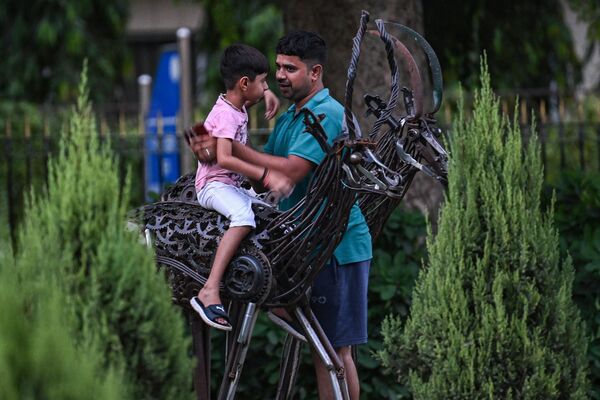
{"x": 162, "y": 160}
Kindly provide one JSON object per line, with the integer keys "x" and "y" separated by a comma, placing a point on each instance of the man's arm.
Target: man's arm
{"x": 271, "y": 179}
{"x": 294, "y": 167}
{"x": 271, "y": 104}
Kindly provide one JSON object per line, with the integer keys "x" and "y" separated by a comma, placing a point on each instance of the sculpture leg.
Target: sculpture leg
{"x": 323, "y": 348}
{"x": 237, "y": 351}
{"x": 236, "y": 314}
{"x": 288, "y": 369}
{"x": 201, "y": 345}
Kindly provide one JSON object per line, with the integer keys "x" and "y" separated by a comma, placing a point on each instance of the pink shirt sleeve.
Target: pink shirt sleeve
{"x": 224, "y": 125}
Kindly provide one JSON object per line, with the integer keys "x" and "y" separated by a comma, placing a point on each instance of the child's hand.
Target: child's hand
{"x": 271, "y": 104}
{"x": 278, "y": 183}
{"x": 202, "y": 144}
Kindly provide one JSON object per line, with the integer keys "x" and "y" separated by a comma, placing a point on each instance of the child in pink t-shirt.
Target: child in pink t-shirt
{"x": 244, "y": 70}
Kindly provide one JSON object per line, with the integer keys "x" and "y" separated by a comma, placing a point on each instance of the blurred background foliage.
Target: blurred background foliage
{"x": 590, "y": 12}
{"x": 258, "y": 23}
{"x": 44, "y": 44}
{"x": 526, "y": 42}
{"x": 577, "y": 218}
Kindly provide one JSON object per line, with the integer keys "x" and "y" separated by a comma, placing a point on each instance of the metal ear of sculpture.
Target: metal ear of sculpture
{"x": 433, "y": 62}
{"x": 415, "y": 141}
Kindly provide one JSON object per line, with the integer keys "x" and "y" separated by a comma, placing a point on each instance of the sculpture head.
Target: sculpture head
{"x": 384, "y": 159}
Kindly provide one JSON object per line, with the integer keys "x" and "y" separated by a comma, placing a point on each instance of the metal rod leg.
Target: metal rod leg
{"x": 288, "y": 369}
{"x": 335, "y": 359}
{"x": 148, "y": 238}
{"x": 201, "y": 345}
{"x": 237, "y": 353}
{"x": 337, "y": 376}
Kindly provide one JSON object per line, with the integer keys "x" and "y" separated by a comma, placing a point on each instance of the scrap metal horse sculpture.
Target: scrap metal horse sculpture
{"x": 279, "y": 260}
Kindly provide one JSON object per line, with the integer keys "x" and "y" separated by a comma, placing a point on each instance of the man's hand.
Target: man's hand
{"x": 271, "y": 104}
{"x": 278, "y": 183}
{"x": 202, "y": 144}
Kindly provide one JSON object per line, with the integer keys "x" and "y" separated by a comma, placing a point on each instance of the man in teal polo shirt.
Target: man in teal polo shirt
{"x": 339, "y": 293}
{"x": 290, "y": 139}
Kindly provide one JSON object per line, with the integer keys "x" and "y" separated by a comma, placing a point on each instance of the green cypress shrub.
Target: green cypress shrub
{"x": 138, "y": 318}
{"x": 577, "y": 218}
{"x": 73, "y": 235}
{"x": 492, "y": 314}
{"x": 40, "y": 357}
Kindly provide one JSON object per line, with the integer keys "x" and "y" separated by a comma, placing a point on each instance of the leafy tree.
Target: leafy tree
{"x": 45, "y": 42}
{"x": 492, "y": 314}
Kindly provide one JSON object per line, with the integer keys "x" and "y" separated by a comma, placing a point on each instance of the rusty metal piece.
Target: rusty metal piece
{"x": 416, "y": 83}
{"x": 433, "y": 62}
{"x": 352, "y": 68}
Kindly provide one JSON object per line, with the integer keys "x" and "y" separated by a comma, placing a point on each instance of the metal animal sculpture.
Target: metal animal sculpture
{"x": 279, "y": 260}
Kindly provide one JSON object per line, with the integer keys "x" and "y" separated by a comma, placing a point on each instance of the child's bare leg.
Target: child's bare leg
{"x": 230, "y": 242}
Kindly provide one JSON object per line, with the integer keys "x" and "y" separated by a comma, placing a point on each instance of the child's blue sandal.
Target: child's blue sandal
{"x": 210, "y": 314}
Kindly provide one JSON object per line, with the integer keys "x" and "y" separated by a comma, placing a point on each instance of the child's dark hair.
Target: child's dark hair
{"x": 240, "y": 60}
{"x": 307, "y": 45}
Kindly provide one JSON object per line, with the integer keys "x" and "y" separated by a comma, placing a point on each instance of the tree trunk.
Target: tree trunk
{"x": 337, "y": 22}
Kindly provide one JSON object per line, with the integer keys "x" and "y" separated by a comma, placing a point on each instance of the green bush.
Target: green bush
{"x": 40, "y": 358}
{"x": 577, "y": 218}
{"x": 73, "y": 236}
{"x": 131, "y": 306}
{"x": 492, "y": 314}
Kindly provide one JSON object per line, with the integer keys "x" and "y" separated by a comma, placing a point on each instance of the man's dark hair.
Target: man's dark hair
{"x": 240, "y": 60}
{"x": 308, "y": 46}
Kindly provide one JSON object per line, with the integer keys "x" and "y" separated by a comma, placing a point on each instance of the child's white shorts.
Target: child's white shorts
{"x": 232, "y": 202}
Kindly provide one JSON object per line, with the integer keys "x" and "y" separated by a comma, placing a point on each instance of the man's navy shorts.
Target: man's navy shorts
{"x": 339, "y": 301}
